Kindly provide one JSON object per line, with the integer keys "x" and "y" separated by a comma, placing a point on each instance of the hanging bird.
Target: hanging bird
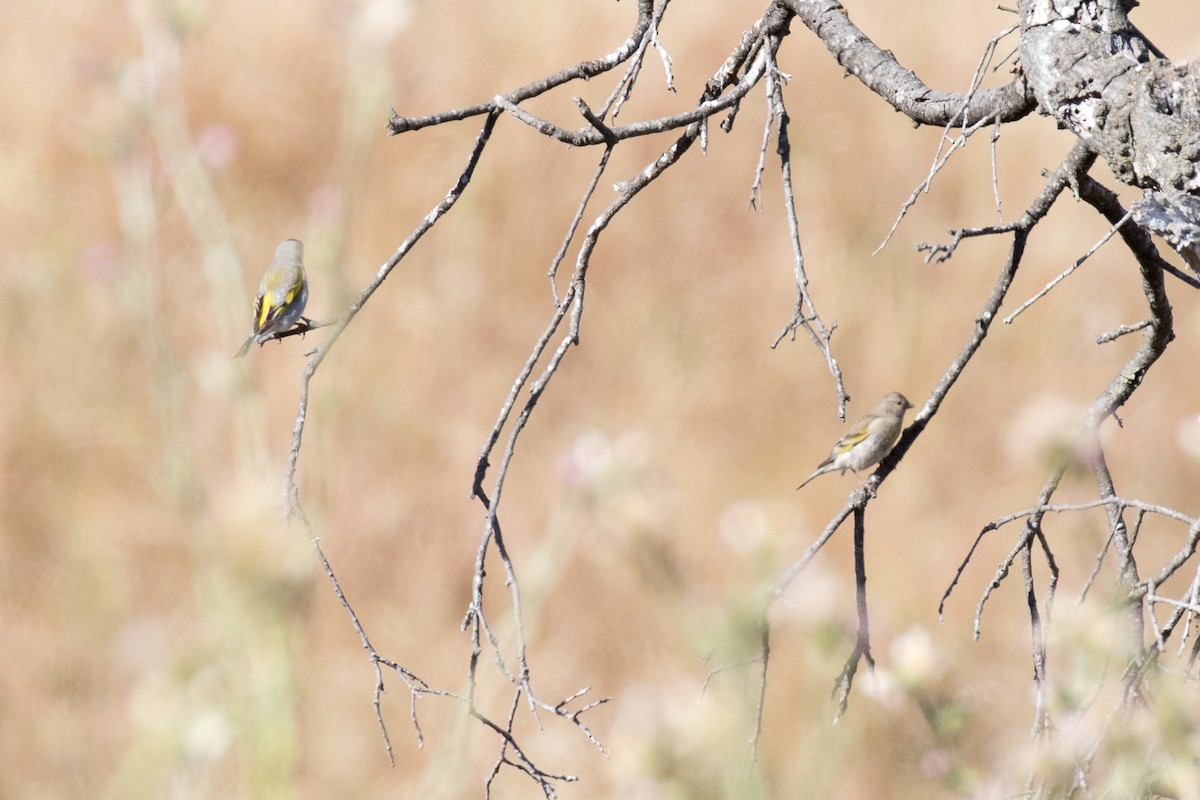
{"x": 281, "y": 295}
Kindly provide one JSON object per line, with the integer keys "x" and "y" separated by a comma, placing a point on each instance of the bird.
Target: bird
{"x": 282, "y": 295}
{"x": 868, "y": 440}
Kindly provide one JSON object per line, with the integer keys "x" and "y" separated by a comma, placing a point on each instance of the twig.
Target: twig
{"x": 1113, "y": 335}
{"x": 1091, "y": 578}
{"x": 573, "y": 227}
{"x": 939, "y": 253}
{"x": 1075, "y": 265}
{"x": 582, "y": 71}
{"x": 1032, "y": 526}
{"x": 623, "y": 89}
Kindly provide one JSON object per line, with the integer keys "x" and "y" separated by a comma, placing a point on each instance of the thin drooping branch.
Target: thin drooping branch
{"x": 763, "y": 659}
{"x": 939, "y": 162}
{"x": 545, "y": 780}
{"x": 569, "y": 309}
{"x": 291, "y": 490}
{"x": 804, "y": 314}
{"x": 573, "y": 227}
{"x": 636, "y": 41}
{"x": 862, "y": 638}
{"x": 623, "y": 90}
{"x": 571, "y": 301}
{"x": 1126, "y": 562}
{"x": 962, "y": 120}
{"x": 572, "y": 304}
{"x": 1033, "y": 527}
{"x": 416, "y": 685}
{"x": 295, "y": 509}
{"x": 1037, "y": 644}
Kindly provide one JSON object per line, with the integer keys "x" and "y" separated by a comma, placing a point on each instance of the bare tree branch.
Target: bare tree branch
{"x": 880, "y": 72}
{"x": 1126, "y": 91}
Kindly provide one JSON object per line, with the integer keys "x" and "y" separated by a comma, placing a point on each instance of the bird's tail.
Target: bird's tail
{"x": 245, "y": 346}
{"x": 810, "y": 477}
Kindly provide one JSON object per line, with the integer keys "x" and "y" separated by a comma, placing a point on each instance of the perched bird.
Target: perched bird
{"x": 281, "y": 295}
{"x": 868, "y": 440}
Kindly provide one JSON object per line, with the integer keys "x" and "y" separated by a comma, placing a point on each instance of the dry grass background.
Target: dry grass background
{"x": 167, "y": 636}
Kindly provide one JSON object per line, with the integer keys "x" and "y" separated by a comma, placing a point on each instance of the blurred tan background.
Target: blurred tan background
{"x": 168, "y": 636}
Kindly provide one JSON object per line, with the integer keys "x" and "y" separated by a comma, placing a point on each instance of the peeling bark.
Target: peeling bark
{"x": 1092, "y": 71}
